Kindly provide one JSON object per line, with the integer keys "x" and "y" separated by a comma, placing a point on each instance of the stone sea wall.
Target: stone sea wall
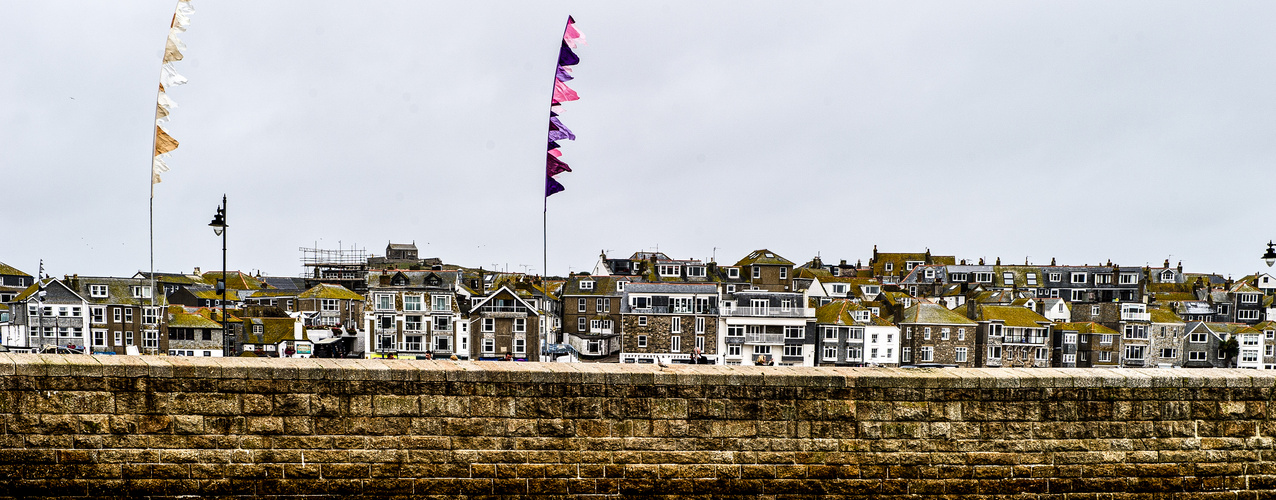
{"x": 128, "y": 426}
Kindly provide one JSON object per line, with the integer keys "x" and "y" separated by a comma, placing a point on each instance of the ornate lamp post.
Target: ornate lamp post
{"x": 219, "y": 228}
{"x": 1270, "y": 256}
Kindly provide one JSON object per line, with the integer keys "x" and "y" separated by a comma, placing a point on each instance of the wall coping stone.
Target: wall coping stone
{"x": 72, "y": 365}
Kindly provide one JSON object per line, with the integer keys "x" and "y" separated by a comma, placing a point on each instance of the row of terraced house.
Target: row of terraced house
{"x": 899, "y": 309}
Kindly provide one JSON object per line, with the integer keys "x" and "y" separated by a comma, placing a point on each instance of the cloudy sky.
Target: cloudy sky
{"x": 1084, "y": 131}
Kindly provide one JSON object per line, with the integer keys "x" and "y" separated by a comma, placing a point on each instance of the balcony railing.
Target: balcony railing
{"x": 1021, "y": 339}
{"x": 764, "y": 338}
{"x": 503, "y": 310}
{"x": 769, "y": 312}
{"x": 1135, "y": 316}
{"x": 673, "y": 310}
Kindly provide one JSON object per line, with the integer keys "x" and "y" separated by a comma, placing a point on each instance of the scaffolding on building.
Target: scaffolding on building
{"x": 347, "y": 267}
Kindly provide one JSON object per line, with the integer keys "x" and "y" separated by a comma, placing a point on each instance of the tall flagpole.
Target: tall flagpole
{"x": 172, "y": 53}
{"x": 545, "y": 191}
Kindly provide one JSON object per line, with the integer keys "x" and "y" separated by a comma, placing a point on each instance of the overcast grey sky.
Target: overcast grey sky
{"x": 1084, "y": 131}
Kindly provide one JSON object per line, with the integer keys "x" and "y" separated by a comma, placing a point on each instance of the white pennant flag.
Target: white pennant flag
{"x": 169, "y": 77}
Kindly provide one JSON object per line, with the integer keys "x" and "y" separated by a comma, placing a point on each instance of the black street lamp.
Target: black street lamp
{"x": 219, "y": 228}
{"x": 1270, "y": 256}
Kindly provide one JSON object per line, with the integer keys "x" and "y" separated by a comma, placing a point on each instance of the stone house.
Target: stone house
{"x": 1131, "y": 320}
{"x": 505, "y": 325}
{"x": 666, "y": 322}
{"x": 333, "y": 306}
{"x": 269, "y": 332}
{"x": 122, "y": 313}
{"x": 1011, "y": 336}
{"x": 592, "y": 314}
{"x": 1096, "y": 345}
{"x": 763, "y": 269}
{"x": 193, "y": 332}
{"x": 935, "y": 335}
{"x": 1165, "y": 335}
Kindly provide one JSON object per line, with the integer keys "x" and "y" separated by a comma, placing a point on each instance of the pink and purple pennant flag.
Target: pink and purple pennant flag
{"x": 572, "y": 38}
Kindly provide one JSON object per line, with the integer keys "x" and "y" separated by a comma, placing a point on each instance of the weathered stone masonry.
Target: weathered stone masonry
{"x": 169, "y": 426}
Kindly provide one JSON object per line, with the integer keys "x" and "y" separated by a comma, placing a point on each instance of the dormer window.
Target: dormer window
{"x": 872, "y": 290}
{"x": 890, "y": 266}
{"x": 1055, "y": 277}
{"x": 141, "y": 292}
{"x": 1031, "y": 279}
{"x": 930, "y": 274}
{"x": 97, "y": 290}
{"x": 587, "y": 285}
{"x": 695, "y": 271}
{"x": 909, "y": 265}
{"x": 733, "y": 273}
{"x": 668, "y": 270}
{"x": 839, "y": 289}
{"x": 620, "y": 286}
{"x": 983, "y": 277}
{"x": 1167, "y": 276}
{"x": 1078, "y": 277}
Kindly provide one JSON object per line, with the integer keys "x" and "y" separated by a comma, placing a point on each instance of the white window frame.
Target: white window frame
{"x": 384, "y": 302}
{"x": 675, "y": 325}
{"x": 488, "y": 325}
{"x": 520, "y": 325}
{"x": 959, "y": 355}
{"x": 642, "y": 341}
{"x": 587, "y": 285}
{"x": 1078, "y": 278}
{"x": 98, "y": 291}
{"x": 675, "y": 343}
